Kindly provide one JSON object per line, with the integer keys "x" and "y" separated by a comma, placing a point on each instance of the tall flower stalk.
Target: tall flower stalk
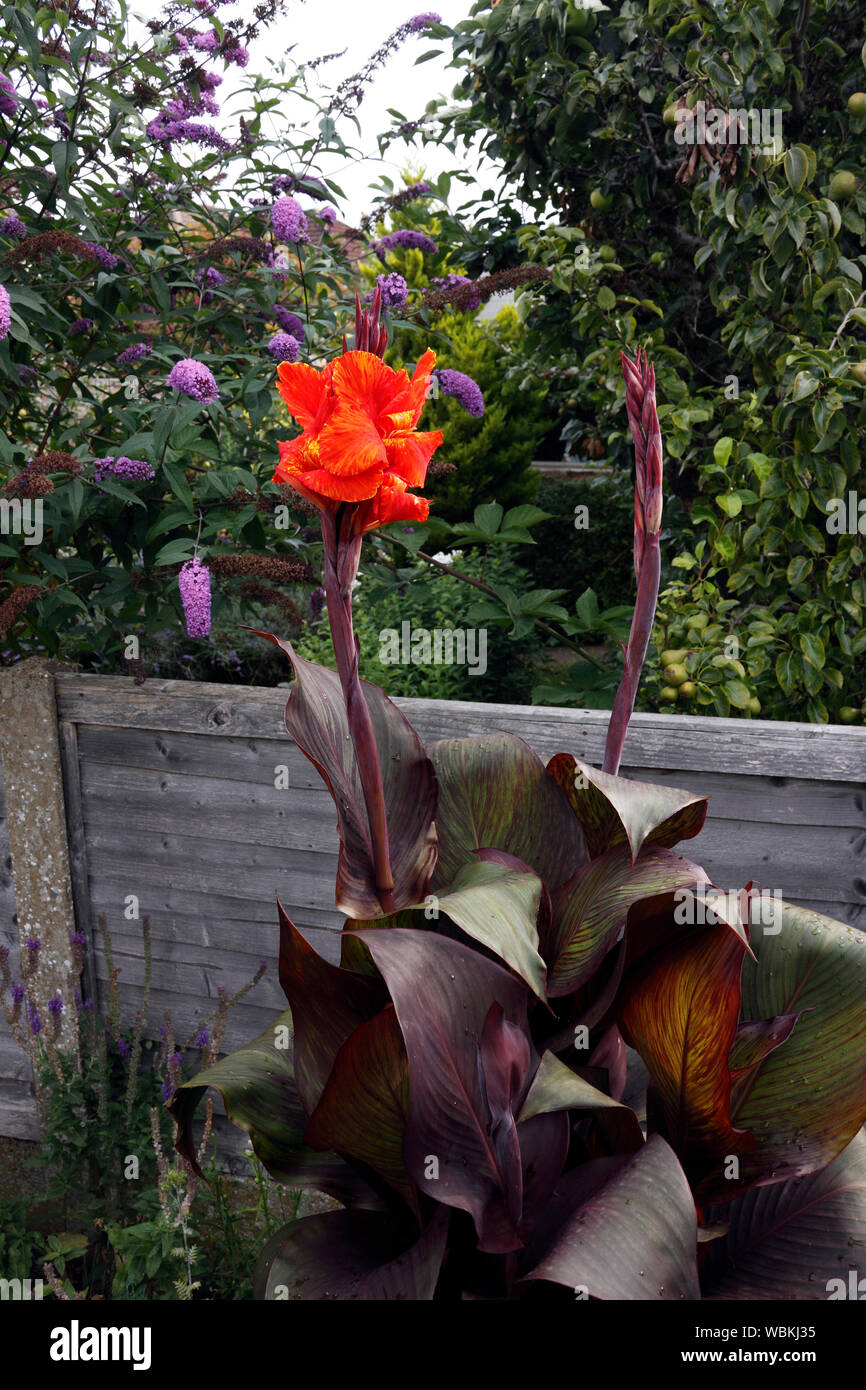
{"x": 356, "y": 459}
{"x": 640, "y": 399}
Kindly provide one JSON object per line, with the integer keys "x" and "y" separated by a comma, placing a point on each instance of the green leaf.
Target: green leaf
{"x": 722, "y": 450}
{"x": 796, "y": 167}
{"x": 813, "y": 649}
{"x": 496, "y": 902}
{"x": 738, "y": 693}
{"x": 174, "y": 475}
{"x": 116, "y": 489}
{"x": 606, "y": 299}
{"x": 175, "y": 551}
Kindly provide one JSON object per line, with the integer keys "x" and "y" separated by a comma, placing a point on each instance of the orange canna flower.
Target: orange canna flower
{"x": 359, "y": 441}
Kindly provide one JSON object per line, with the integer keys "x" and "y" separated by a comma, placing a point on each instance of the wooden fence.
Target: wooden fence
{"x": 176, "y": 807}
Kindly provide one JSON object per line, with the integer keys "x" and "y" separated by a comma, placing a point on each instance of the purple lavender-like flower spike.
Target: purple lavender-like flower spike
{"x": 289, "y": 220}
{"x": 194, "y": 584}
{"x": 640, "y": 396}
{"x": 284, "y": 348}
{"x": 394, "y": 289}
{"x": 5, "y": 312}
{"x": 464, "y": 390}
{"x": 193, "y": 379}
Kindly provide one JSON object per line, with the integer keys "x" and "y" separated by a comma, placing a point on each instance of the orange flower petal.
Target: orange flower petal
{"x": 349, "y": 441}
{"x": 362, "y": 380}
{"x": 392, "y": 504}
{"x": 409, "y": 454}
{"x": 359, "y": 487}
{"x": 305, "y": 392}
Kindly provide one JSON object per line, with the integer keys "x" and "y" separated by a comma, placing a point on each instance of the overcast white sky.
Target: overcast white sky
{"x": 316, "y": 27}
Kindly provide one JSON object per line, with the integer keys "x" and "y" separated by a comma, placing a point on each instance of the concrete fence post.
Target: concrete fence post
{"x": 36, "y": 816}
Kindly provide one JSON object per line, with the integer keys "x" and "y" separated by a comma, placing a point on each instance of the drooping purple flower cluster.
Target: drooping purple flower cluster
{"x": 394, "y": 289}
{"x": 284, "y": 348}
{"x": 193, "y": 379}
{"x": 411, "y": 194}
{"x": 184, "y": 105}
{"x": 206, "y": 43}
{"x": 292, "y": 183}
{"x": 289, "y": 220}
{"x": 289, "y": 322}
{"x": 209, "y": 277}
{"x": 194, "y": 584}
{"x": 464, "y": 390}
{"x": 106, "y": 259}
{"x": 5, "y": 312}
{"x": 78, "y": 327}
{"x": 470, "y": 302}
{"x": 133, "y": 470}
{"x": 133, "y": 354}
{"x": 165, "y": 129}
{"x": 328, "y": 215}
{"x": 423, "y": 21}
{"x": 234, "y": 52}
{"x": 8, "y": 99}
{"x": 406, "y": 239}
{"x": 208, "y": 80}
{"x": 13, "y": 226}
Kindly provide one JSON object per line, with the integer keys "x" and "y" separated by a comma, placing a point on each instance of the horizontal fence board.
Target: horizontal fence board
{"x": 18, "y": 1115}
{"x": 165, "y": 903}
{"x": 749, "y": 747}
{"x": 136, "y": 754}
{"x": 733, "y": 853}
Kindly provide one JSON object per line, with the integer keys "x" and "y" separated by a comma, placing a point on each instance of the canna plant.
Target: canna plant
{"x": 552, "y": 1058}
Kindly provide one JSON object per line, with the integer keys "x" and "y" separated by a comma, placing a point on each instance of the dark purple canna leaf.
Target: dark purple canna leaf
{"x": 588, "y": 913}
{"x": 362, "y": 1110}
{"x": 627, "y": 1229}
{"x": 316, "y": 719}
{"x": 327, "y": 1005}
{"x": 494, "y": 793}
{"x": 350, "y": 1255}
{"x": 443, "y": 992}
{"x": 800, "y": 1239}
{"x": 613, "y": 810}
{"x": 503, "y": 1063}
{"x": 257, "y": 1085}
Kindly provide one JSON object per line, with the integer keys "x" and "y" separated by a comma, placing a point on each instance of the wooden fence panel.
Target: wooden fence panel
{"x": 175, "y": 798}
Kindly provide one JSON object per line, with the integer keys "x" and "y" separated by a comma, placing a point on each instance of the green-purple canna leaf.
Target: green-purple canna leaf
{"x": 613, "y": 810}
{"x": 257, "y": 1085}
{"x": 588, "y": 913}
{"x": 806, "y": 1099}
{"x": 327, "y": 1005}
{"x": 362, "y": 1111}
{"x": 494, "y": 793}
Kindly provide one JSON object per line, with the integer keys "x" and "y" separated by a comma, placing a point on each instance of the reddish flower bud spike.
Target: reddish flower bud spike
{"x": 640, "y": 401}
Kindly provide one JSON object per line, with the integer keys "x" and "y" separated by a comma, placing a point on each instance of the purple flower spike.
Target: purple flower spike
{"x": 133, "y": 354}
{"x": 394, "y": 289}
{"x": 124, "y": 1049}
{"x": 194, "y": 584}
{"x": 463, "y": 389}
{"x": 284, "y": 348}
{"x": 5, "y": 312}
{"x": 193, "y": 379}
{"x": 55, "y": 1006}
{"x": 289, "y": 220}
